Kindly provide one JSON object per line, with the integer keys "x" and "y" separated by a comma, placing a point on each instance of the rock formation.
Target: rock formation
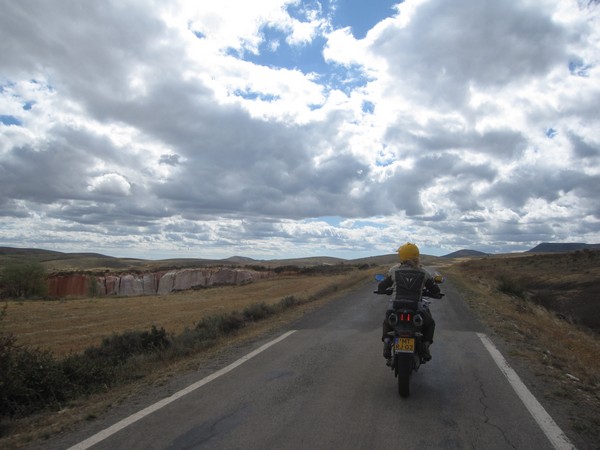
{"x": 148, "y": 283}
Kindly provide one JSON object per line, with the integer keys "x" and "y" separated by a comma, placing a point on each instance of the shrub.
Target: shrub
{"x": 93, "y": 289}
{"x": 510, "y": 286}
{"x": 258, "y": 311}
{"x": 86, "y": 374}
{"x": 31, "y": 379}
{"x": 210, "y": 327}
{"x": 288, "y": 302}
{"x": 231, "y": 322}
{"x": 24, "y": 279}
{"x": 119, "y": 347}
{"x": 188, "y": 341}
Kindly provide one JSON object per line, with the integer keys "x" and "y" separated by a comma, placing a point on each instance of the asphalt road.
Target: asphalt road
{"x": 326, "y": 386}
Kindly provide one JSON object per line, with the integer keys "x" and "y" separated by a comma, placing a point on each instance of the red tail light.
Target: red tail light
{"x": 404, "y": 317}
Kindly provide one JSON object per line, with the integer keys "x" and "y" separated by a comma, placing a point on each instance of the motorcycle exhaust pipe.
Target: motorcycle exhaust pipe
{"x": 393, "y": 320}
{"x": 418, "y": 320}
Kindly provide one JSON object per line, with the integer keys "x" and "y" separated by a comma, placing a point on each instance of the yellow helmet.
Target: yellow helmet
{"x": 408, "y": 252}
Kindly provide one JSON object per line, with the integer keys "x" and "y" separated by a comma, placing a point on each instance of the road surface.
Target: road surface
{"x": 325, "y": 386}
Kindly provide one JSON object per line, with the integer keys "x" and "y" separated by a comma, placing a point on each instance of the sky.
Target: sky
{"x": 277, "y": 129}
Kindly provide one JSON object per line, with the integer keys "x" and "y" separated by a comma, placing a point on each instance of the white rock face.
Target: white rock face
{"x": 151, "y": 283}
{"x": 166, "y": 283}
{"x": 131, "y": 285}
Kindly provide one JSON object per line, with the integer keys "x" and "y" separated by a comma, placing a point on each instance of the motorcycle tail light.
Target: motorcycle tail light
{"x": 405, "y": 317}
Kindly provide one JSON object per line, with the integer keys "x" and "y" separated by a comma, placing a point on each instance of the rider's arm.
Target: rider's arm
{"x": 432, "y": 288}
{"x": 385, "y": 284}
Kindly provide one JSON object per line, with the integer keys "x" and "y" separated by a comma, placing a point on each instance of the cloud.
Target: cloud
{"x": 112, "y": 184}
{"x": 153, "y": 129}
{"x": 451, "y": 47}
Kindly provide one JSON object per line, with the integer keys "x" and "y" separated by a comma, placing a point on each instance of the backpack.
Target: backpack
{"x": 409, "y": 288}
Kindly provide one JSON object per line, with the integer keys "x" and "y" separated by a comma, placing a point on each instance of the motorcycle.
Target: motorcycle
{"x": 406, "y": 321}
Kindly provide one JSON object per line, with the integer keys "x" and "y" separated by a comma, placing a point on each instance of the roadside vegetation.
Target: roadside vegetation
{"x": 46, "y": 368}
{"x": 546, "y": 310}
{"x": 33, "y": 379}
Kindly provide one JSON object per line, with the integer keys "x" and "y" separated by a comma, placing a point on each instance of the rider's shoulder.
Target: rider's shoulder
{"x": 394, "y": 268}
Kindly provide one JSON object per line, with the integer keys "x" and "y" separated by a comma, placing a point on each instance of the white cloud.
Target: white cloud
{"x": 147, "y": 126}
{"x": 111, "y": 184}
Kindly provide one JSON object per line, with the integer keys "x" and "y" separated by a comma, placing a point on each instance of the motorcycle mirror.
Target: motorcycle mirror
{"x": 379, "y": 277}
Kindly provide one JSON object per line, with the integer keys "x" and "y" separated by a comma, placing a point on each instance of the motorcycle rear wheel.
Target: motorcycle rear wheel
{"x": 403, "y": 370}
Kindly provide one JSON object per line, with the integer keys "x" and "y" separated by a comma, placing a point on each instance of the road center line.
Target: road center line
{"x": 552, "y": 431}
{"x": 100, "y": 436}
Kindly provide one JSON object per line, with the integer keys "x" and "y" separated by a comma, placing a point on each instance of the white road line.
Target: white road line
{"x": 100, "y": 436}
{"x": 546, "y": 423}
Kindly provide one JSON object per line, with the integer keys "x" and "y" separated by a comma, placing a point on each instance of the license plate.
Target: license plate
{"x": 405, "y": 345}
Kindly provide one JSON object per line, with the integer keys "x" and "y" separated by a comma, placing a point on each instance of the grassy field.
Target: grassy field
{"x": 532, "y": 303}
{"x": 70, "y": 326}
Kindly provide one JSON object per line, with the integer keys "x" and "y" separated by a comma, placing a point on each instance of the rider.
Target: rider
{"x": 409, "y": 261}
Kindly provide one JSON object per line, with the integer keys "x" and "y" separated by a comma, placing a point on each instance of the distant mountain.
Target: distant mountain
{"x": 558, "y": 247}
{"x": 465, "y": 254}
{"x": 240, "y": 260}
{"x": 58, "y": 261}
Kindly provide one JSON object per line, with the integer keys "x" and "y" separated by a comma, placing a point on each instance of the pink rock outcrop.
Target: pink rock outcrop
{"x": 149, "y": 283}
{"x": 76, "y": 284}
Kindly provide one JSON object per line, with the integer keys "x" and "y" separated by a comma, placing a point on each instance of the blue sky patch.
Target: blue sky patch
{"x": 10, "y": 120}
{"x": 274, "y": 51}
{"x": 361, "y": 15}
{"x": 344, "y": 78}
{"x": 252, "y": 95}
{"x": 369, "y": 223}
{"x": 368, "y": 107}
{"x": 331, "y": 220}
{"x": 197, "y": 33}
{"x": 579, "y": 68}
{"x": 383, "y": 159}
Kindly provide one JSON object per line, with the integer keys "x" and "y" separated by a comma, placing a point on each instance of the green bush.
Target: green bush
{"x": 258, "y": 311}
{"x": 87, "y": 375}
{"x": 288, "y": 302}
{"x": 211, "y": 327}
{"x": 31, "y": 379}
{"x": 24, "y": 279}
{"x": 93, "y": 288}
{"x": 119, "y": 347}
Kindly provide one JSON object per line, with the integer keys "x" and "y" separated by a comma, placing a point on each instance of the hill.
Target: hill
{"x": 64, "y": 262}
{"x": 465, "y": 254}
{"x": 558, "y": 247}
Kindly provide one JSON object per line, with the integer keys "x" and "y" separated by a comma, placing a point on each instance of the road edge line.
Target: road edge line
{"x": 552, "y": 431}
{"x": 101, "y": 435}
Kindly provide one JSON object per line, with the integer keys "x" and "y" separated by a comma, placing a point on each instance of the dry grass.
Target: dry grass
{"x": 71, "y": 326}
{"x": 562, "y": 355}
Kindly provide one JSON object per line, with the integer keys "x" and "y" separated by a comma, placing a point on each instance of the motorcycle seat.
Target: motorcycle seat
{"x": 405, "y": 304}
